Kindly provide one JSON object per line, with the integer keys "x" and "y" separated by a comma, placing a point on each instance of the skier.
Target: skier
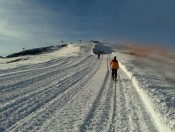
{"x": 98, "y": 55}
{"x": 114, "y": 66}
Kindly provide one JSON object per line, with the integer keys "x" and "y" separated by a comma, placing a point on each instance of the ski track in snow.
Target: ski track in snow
{"x": 70, "y": 94}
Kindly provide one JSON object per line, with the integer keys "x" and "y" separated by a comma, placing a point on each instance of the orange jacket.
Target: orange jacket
{"x": 114, "y": 64}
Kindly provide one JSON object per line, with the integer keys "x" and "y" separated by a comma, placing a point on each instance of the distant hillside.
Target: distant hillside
{"x": 95, "y": 41}
{"x": 1, "y": 57}
{"x": 36, "y": 51}
{"x": 103, "y": 49}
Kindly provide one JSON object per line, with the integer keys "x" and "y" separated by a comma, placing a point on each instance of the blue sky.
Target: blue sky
{"x": 36, "y": 23}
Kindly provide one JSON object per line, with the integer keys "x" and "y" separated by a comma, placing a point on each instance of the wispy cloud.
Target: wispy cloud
{"x": 34, "y": 23}
{"x": 8, "y": 25}
{"x": 26, "y": 24}
{"x": 9, "y": 30}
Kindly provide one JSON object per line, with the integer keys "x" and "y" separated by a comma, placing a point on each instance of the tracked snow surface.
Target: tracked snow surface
{"x": 71, "y": 90}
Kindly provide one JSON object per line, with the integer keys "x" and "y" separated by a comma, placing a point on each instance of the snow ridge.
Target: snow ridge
{"x": 163, "y": 116}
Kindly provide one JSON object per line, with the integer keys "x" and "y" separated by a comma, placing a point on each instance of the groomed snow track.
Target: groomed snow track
{"x": 70, "y": 94}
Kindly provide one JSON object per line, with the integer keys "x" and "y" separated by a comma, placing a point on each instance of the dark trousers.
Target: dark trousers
{"x": 98, "y": 56}
{"x": 114, "y": 74}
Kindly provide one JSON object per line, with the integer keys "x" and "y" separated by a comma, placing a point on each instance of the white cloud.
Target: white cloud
{"x": 7, "y": 14}
{"x": 26, "y": 24}
{"x": 10, "y": 31}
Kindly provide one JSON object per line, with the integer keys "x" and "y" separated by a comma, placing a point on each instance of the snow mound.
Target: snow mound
{"x": 102, "y": 48}
{"x": 36, "y": 51}
{"x": 155, "y": 90}
{"x": 68, "y": 50}
{"x": 157, "y": 103}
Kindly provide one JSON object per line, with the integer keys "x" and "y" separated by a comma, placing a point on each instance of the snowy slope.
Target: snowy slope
{"x": 71, "y": 90}
{"x": 153, "y": 77}
{"x": 69, "y": 50}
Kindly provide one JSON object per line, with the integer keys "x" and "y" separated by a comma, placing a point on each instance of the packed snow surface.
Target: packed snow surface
{"x": 71, "y": 90}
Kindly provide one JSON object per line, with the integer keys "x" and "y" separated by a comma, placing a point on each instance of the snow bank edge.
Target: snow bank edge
{"x": 161, "y": 122}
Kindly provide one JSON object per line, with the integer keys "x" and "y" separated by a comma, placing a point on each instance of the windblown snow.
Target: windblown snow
{"x": 71, "y": 90}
